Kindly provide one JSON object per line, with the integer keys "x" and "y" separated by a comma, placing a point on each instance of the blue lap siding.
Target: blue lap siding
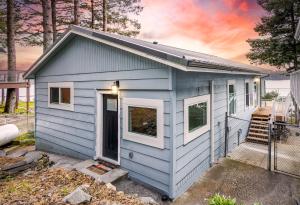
{"x": 93, "y": 66}
{"x": 193, "y": 158}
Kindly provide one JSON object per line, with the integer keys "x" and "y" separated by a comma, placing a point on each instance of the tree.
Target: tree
{"x": 113, "y": 16}
{"x": 104, "y": 17}
{"x": 11, "y": 56}
{"x": 47, "y": 24}
{"x": 76, "y": 12}
{"x": 53, "y": 15}
{"x": 276, "y": 45}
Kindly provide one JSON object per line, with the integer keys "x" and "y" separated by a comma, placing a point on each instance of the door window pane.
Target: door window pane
{"x": 65, "y": 95}
{"x": 232, "y": 99}
{"x": 112, "y": 105}
{"x": 197, "y": 116}
{"x": 142, "y": 120}
{"x": 247, "y": 95}
{"x": 54, "y": 95}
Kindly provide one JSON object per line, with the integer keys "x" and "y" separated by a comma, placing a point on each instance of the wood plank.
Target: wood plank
{"x": 258, "y": 130}
{"x": 258, "y": 134}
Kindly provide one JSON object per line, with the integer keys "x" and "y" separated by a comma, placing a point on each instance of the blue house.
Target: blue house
{"x": 155, "y": 110}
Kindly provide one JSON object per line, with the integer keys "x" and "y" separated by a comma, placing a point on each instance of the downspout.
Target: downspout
{"x": 172, "y": 184}
{"x": 212, "y": 127}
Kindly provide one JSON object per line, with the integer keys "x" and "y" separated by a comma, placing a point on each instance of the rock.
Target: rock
{"x": 110, "y": 186}
{"x": 107, "y": 202}
{"x": 33, "y": 156}
{"x": 18, "y": 153}
{"x": 84, "y": 187}
{"x": 121, "y": 193}
{"x": 148, "y": 200}
{"x": 77, "y": 197}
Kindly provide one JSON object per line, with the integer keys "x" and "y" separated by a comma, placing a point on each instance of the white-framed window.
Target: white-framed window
{"x": 247, "y": 93}
{"x": 196, "y": 117}
{"x": 254, "y": 93}
{"x": 143, "y": 121}
{"x": 231, "y": 97}
{"x": 61, "y": 95}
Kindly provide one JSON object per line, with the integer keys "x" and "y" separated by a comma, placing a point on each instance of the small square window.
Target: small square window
{"x": 54, "y": 95}
{"x": 60, "y": 96}
{"x": 65, "y": 95}
{"x": 142, "y": 120}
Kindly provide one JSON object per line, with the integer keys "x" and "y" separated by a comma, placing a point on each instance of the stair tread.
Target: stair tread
{"x": 259, "y": 122}
{"x": 260, "y": 130}
{"x": 258, "y": 134}
{"x": 257, "y": 139}
{"x": 261, "y": 118}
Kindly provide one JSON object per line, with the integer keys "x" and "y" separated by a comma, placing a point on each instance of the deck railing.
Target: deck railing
{"x": 281, "y": 107}
{"x": 295, "y": 86}
{"x": 8, "y": 76}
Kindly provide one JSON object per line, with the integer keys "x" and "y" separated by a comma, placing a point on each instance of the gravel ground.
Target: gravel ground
{"x": 130, "y": 187}
{"x": 248, "y": 184}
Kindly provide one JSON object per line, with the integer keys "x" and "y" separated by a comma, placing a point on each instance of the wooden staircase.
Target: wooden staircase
{"x": 259, "y": 129}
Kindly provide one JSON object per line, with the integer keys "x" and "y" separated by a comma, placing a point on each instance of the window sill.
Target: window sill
{"x": 61, "y": 106}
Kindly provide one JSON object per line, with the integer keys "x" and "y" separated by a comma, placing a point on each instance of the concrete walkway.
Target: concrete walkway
{"x": 247, "y": 183}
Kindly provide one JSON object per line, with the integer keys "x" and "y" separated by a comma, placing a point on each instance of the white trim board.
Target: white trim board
{"x": 190, "y": 136}
{"x": 99, "y": 128}
{"x": 62, "y": 106}
{"x": 157, "y": 141}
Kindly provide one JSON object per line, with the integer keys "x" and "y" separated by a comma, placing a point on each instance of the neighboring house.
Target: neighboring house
{"x": 156, "y": 110}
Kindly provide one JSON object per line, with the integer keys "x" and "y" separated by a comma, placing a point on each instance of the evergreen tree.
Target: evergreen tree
{"x": 276, "y": 45}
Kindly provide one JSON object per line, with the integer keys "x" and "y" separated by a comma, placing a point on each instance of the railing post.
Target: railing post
{"x": 226, "y": 134}
{"x": 269, "y": 148}
{"x": 2, "y": 96}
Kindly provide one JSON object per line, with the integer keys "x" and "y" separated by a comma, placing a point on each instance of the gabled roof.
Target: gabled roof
{"x": 177, "y": 58}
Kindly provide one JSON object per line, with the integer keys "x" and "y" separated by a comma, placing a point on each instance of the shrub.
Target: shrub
{"x": 270, "y": 95}
{"x": 218, "y": 199}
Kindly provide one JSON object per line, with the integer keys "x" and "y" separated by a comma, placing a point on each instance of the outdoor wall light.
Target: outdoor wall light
{"x": 256, "y": 79}
{"x": 115, "y": 87}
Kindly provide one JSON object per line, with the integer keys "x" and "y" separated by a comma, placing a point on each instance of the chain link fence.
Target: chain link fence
{"x": 286, "y": 140}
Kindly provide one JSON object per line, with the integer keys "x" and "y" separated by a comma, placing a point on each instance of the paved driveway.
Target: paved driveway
{"x": 246, "y": 183}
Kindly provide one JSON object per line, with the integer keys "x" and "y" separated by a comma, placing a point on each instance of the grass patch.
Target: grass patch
{"x": 21, "y": 109}
{"x": 25, "y": 139}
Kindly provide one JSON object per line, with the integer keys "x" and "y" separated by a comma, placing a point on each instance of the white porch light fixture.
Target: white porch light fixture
{"x": 115, "y": 87}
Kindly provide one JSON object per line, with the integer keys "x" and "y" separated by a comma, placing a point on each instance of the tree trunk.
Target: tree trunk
{"x": 11, "y": 56}
{"x": 76, "y": 12}
{"x": 104, "y": 17}
{"x": 92, "y": 14}
{"x": 47, "y": 31}
{"x": 53, "y": 14}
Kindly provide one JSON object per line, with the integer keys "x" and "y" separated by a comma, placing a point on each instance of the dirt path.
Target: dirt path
{"x": 248, "y": 184}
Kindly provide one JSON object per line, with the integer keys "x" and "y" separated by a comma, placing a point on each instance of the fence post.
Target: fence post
{"x": 226, "y": 134}
{"x": 269, "y": 148}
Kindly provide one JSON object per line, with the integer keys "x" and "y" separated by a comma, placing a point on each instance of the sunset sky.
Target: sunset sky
{"x": 218, "y": 27}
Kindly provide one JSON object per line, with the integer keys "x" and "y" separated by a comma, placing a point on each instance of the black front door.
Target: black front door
{"x": 110, "y": 126}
